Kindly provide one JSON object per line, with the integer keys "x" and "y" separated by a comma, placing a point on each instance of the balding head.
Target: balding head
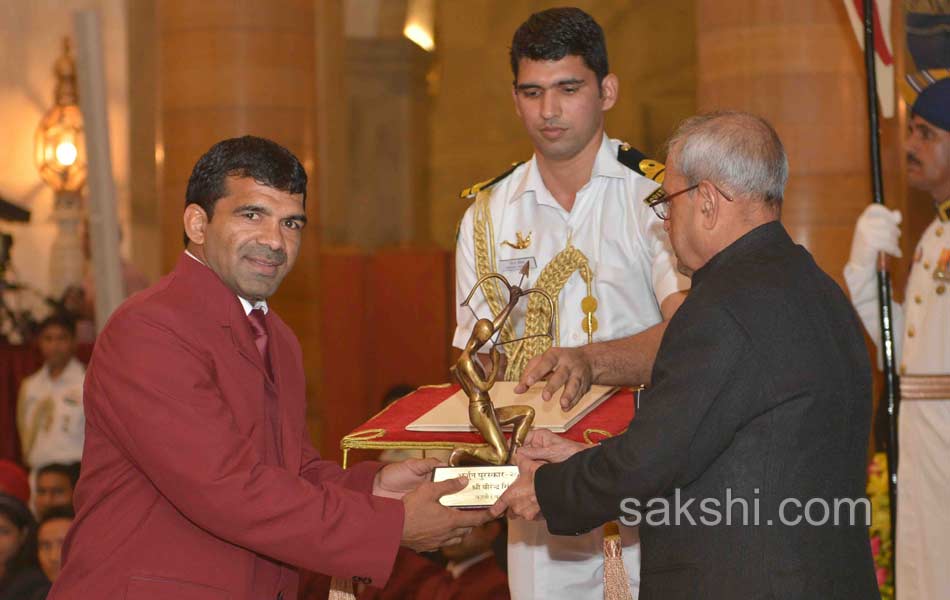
{"x": 738, "y": 151}
{"x": 731, "y": 170}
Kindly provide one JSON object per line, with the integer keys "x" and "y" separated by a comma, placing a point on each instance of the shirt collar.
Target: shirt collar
{"x": 456, "y": 569}
{"x": 245, "y": 304}
{"x": 73, "y": 367}
{"x": 605, "y": 165}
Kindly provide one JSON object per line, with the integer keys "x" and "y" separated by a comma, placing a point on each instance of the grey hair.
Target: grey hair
{"x": 735, "y": 150}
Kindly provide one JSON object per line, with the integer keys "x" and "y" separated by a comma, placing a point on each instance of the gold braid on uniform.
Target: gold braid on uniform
{"x": 552, "y": 280}
{"x": 484, "y": 238}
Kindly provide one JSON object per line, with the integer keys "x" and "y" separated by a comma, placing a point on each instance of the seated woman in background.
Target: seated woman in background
{"x": 20, "y": 575}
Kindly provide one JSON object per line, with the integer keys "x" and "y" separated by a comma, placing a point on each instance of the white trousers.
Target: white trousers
{"x": 542, "y": 566}
{"x": 923, "y": 500}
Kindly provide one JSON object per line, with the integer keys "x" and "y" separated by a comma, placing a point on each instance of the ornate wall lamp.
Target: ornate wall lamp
{"x": 61, "y": 160}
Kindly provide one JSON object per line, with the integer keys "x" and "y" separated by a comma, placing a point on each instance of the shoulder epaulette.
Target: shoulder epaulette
{"x": 471, "y": 192}
{"x": 943, "y": 211}
{"x": 632, "y": 158}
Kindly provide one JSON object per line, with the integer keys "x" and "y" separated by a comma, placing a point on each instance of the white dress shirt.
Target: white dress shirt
{"x": 623, "y": 240}
{"x": 60, "y": 428}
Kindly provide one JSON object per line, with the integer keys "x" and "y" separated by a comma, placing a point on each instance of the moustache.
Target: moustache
{"x": 276, "y": 257}
{"x": 913, "y": 159}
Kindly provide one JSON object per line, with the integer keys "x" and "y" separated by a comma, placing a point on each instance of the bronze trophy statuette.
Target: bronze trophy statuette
{"x": 487, "y": 467}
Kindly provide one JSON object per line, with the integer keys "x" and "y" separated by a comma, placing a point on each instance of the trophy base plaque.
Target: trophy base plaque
{"x": 486, "y": 483}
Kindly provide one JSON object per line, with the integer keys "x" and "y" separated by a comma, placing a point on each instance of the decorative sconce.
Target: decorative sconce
{"x": 60, "y": 144}
{"x": 420, "y": 24}
{"x": 61, "y": 160}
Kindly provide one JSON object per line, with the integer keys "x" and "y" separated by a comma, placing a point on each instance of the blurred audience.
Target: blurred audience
{"x": 49, "y": 409}
{"x": 50, "y": 535}
{"x": 14, "y": 481}
{"x": 20, "y": 574}
{"x": 55, "y": 484}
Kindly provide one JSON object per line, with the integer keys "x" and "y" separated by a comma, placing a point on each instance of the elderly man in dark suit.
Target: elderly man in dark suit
{"x": 199, "y": 480}
{"x": 746, "y": 462}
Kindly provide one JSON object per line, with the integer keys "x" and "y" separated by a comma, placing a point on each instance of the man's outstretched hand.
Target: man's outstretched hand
{"x": 569, "y": 368}
{"x": 519, "y": 500}
{"x": 398, "y": 479}
{"x": 429, "y": 525}
{"x": 543, "y": 445}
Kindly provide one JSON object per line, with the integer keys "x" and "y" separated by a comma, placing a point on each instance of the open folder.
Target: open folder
{"x": 452, "y": 413}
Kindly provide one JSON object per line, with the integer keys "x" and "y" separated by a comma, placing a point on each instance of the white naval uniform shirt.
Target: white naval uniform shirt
{"x": 922, "y": 329}
{"x": 59, "y": 436}
{"x": 634, "y": 270}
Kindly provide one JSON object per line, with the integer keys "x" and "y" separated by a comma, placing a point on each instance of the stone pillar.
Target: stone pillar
{"x": 387, "y": 182}
{"x": 798, "y": 65}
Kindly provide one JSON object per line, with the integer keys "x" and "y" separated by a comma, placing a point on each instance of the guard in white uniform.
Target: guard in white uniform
{"x": 49, "y": 408}
{"x": 922, "y": 331}
{"x": 592, "y": 243}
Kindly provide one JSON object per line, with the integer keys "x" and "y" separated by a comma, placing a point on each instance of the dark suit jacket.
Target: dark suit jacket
{"x": 761, "y": 391}
{"x": 181, "y": 494}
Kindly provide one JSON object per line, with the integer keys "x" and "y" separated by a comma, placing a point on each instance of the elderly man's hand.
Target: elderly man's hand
{"x": 519, "y": 500}
{"x": 569, "y": 368}
{"x": 398, "y": 479}
{"x": 546, "y": 446}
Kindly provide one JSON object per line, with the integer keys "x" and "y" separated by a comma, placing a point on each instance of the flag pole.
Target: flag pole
{"x": 891, "y": 384}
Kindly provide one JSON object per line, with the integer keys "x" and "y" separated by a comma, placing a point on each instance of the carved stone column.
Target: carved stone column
{"x": 387, "y": 110}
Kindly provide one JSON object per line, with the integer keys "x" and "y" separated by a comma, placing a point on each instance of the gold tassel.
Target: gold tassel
{"x": 342, "y": 589}
{"x": 616, "y": 582}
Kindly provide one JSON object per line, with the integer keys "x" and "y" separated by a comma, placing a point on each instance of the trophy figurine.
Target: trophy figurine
{"x": 488, "y": 465}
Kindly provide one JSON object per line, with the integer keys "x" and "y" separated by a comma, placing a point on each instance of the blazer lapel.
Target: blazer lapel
{"x": 286, "y": 383}
{"x": 243, "y": 338}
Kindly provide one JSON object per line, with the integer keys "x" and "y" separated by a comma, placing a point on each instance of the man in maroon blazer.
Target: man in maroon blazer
{"x": 198, "y": 478}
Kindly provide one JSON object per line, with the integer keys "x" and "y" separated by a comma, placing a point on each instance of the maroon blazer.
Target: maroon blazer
{"x": 185, "y": 492}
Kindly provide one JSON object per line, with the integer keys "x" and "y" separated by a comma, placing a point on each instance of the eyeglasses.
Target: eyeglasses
{"x": 661, "y": 204}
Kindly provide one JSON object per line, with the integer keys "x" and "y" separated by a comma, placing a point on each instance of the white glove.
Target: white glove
{"x": 877, "y": 231}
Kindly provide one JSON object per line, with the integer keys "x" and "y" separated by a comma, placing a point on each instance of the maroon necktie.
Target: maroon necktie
{"x": 259, "y": 326}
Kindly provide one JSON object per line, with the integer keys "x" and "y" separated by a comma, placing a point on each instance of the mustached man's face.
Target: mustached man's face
{"x": 252, "y": 239}
{"x": 928, "y": 158}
